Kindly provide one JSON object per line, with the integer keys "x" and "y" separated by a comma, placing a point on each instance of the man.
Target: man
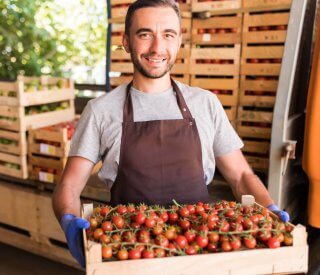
{"x": 158, "y": 139}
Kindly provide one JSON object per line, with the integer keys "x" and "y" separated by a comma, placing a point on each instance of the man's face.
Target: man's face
{"x": 155, "y": 39}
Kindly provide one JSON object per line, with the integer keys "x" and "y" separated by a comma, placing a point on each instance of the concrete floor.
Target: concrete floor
{"x": 14, "y": 261}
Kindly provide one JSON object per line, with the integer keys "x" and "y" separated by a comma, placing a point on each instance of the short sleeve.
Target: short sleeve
{"x": 226, "y": 140}
{"x": 86, "y": 139}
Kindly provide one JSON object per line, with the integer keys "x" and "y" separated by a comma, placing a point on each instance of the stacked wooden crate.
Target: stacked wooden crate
{"x": 121, "y": 67}
{"x": 264, "y": 33}
{"x": 216, "y": 48}
{"x": 25, "y": 104}
{"x": 48, "y": 150}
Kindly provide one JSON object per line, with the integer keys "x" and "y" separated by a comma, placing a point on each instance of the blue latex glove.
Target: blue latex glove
{"x": 283, "y": 215}
{"x": 72, "y": 227}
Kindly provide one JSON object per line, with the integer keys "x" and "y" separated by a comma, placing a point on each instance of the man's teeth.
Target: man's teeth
{"x": 155, "y": 60}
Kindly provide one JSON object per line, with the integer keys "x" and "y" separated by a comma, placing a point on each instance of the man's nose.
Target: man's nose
{"x": 157, "y": 45}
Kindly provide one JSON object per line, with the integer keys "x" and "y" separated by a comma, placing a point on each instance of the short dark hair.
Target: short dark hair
{"x": 139, "y": 4}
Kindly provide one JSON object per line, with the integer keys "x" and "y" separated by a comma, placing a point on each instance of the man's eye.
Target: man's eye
{"x": 169, "y": 35}
{"x": 144, "y": 35}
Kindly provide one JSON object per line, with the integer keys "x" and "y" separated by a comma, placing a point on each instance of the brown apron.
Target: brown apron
{"x": 160, "y": 160}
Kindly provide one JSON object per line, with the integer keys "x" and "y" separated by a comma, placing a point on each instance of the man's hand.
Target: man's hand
{"x": 283, "y": 215}
{"x": 72, "y": 227}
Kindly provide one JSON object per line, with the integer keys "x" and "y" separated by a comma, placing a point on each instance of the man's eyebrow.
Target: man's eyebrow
{"x": 143, "y": 30}
{"x": 149, "y": 30}
{"x": 171, "y": 30}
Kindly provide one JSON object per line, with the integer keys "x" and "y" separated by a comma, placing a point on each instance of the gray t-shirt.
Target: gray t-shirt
{"x": 98, "y": 133}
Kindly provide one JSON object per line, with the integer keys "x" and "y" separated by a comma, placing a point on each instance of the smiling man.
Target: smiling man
{"x": 158, "y": 139}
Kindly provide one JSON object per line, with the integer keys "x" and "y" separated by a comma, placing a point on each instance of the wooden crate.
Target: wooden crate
{"x": 217, "y": 30}
{"x": 265, "y": 28}
{"x": 186, "y": 30}
{"x": 119, "y": 9}
{"x": 255, "y": 123}
{"x": 227, "y": 6}
{"x": 116, "y": 81}
{"x": 33, "y": 227}
{"x": 27, "y": 91}
{"x": 257, "y": 163}
{"x": 252, "y": 56}
{"x": 226, "y": 88}
{"x": 258, "y": 91}
{"x": 117, "y": 33}
{"x": 185, "y": 8}
{"x": 14, "y": 118}
{"x": 207, "y": 61}
{"x": 291, "y": 259}
{"x": 257, "y": 152}
{"x": 51, "y": 141}
{"x": 13, "y": 142}
{"x": 266, "y": 4}
{"x": 184, "y": 78}
{"x": 14, "y": 166}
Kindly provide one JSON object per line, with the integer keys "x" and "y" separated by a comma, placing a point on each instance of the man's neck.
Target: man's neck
{"x": 150, "y": 85}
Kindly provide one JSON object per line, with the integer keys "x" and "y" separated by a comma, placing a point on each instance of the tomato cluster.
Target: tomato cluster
{"x": 140, "y": 231}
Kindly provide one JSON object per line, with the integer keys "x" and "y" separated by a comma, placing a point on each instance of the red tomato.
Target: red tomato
{"x": 139, "y": 218}
{"x": 122, "y": 254}
{"x": 118, "y": 221}
{"x": 212, "y": 247}
{"x": 144, "y": 236}
{"x": 161, "y": 240}
{"x": 247, "y": 223}
{"x": 93, "y": 223}
{"x": 191, "y": 250}
{"x": 134, "y": 254}
{"x": 230, "y": 213}
{"x": 164, "y": 216}
{"x": 105, "y": 239}
{"x": 157, "y": 230}
{"x": 190, "y": 235}
{"x": 185, "y": 224}
{"x": 226, "y": 246}
{"x": 250, "y": 242}
{"x": 148, "y": 254}
{"x": 121, "y": 209}
{"x": 264, "y": 235}
{"x": 199, "y": 209}
{"x": 104, "y": 211}
{"x": 288, "y": 240}
{"x": 159, "y": 252}
{"x": 97, "y": 233}
{"x": 212, "y": 218}
{"x": 202, "y": 241}
{"x": 224, "y": 226}
{"x": 235, "y": 243}
{"x": 181, "y": 241}
{"x": 170, "y": 233}
{"x": 173, "y": 217}
{"x": 106, "y": 226}
{"x": 273, "y": 242}
{"x": 131, "y": 208}
{"x": 191, "y": 209}
{"x": 150, "y": 222}
{"x": 184, "y": 212}
{"x": 106, "y": 252}
{"x": 213, "y": 237}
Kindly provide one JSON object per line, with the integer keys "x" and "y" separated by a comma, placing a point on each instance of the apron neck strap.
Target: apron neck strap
{"x": 128, "y": 109}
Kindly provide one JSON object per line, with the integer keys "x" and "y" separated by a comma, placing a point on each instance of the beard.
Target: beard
{"x": 144, "y": 71}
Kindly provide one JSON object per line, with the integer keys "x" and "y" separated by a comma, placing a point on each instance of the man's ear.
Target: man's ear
{"x": 125, "y": 43}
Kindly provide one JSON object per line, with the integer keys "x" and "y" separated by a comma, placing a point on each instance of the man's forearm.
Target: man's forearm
{"x": 250, "y": 184}
{"x": 65, "y": 201}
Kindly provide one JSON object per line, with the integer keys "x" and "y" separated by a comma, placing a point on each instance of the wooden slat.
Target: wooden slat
{"x": 216, "y": 6}
{"x": 266, "y": 4}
